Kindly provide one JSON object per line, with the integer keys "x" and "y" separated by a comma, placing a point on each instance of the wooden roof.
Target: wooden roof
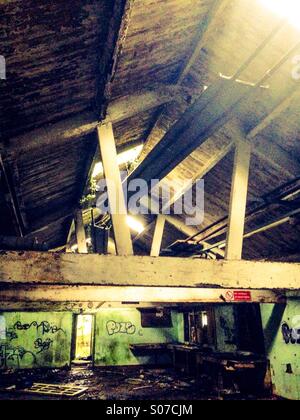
{"x": 66, "y": 58}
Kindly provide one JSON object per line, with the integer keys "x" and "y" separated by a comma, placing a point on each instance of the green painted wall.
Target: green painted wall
{"x": 112, "y": 348}
{"x": 284, "y": 356}
{"x": 225, "y": 328}
{"x": 33, "y": 340}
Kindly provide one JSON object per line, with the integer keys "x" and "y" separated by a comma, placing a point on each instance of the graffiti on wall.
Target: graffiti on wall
{"x": 41, "y": 345}
{"x": 114, "y": 327}
{"x": 290, "y": 335}
{"x": 12, "y": 354}
{"x": 43, "y": 327}
{"x": 10, "y": 334}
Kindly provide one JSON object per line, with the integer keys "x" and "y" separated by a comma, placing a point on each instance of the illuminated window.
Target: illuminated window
{"x": 134, "y": 224}
{"x": 124, "y": 157}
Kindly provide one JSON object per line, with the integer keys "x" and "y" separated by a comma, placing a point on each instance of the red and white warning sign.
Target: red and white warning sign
{"x": 238, "y": 296}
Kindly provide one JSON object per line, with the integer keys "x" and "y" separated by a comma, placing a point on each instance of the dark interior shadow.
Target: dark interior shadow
{"x": 273, "y": 325}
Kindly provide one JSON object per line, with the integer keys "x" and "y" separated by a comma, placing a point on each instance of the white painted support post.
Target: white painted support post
{"x": 158, "y": 235}
{"x": 80, "y": 232}
{"x": 114, "y": 189}
{"x": 238, "y": 200}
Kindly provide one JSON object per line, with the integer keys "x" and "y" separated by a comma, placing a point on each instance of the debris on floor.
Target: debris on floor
{"x": 109, "y": 383}
{"x": 50, "y": 389}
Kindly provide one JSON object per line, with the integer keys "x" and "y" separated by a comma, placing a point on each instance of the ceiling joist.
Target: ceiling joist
{"x": 104, "y": 270}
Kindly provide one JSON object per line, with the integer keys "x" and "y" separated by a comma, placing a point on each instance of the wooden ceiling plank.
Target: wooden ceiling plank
{"x": 118, "y": 30}
{"x": 202, "y": 37}
{"x": 205, "y": 31}
{"x": 281, "y": 107}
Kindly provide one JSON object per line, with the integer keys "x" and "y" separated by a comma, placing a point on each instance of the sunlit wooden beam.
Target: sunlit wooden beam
{"x": 115, "y": 193}
{"x": 238, "y": 200}
{"x": 157, "y": 236}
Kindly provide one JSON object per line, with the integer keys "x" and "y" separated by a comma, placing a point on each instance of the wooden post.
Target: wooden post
{"x": 114, "y": 189}
{"x": 80, "y": 232}
{"x": 238, "y": 200}
{"x": 158, "y": 235}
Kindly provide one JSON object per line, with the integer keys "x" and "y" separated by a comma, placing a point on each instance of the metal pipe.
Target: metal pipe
{"x": 260, "y": 229}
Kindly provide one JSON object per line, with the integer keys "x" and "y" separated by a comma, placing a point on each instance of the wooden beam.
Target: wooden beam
{"x": 85, "y": 123}
{"x": 12, "y": 199}
{"x": 146, "y": 99}
{"x": 80, "y": 232}
{"x": 54, "y": 134}
{"x": 195, "y": 126}
{"x": 273, "y": 115}
{"x": 207, "y": 167}
{"x": 177, "y": 223}
{"x": 266, "y": 150}
{"x": 275, "y": 156}
{"x": 238, "y": 201}
{"x": 117, "y": 34}
{"x": 108, "y": 270}
{"x": 128, "y": 294}
{"x": 206, "y": 28}
{"x": 114, "y": 189}
{"x": 285, "y": 218}
{"x": 158, "y": 235}
{"x": 205, "y": 31}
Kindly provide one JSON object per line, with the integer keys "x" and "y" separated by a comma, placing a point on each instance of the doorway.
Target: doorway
{"x": 84, "y": 337}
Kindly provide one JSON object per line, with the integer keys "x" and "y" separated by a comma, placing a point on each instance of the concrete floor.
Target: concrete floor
{"x": 116, "y": 383}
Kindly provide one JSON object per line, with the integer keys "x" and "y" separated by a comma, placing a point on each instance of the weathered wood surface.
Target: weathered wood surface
{"x": 105, "y": 270}
{"x": 209, "y": 112}
{"x": 114, "y": 189}
{"x": 238, "y": 201}
{"x": 57, "y": 57}
{"x": 128, "y": 294}
{"x": 158, "y": 236}
{"x": 85, "y": 123}
{"x": 80, "y": 232}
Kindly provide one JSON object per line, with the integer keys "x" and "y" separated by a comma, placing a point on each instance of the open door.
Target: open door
{"x": 84, "y": 328}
